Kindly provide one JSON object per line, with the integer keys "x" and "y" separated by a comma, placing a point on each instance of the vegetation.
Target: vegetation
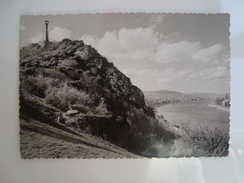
{"x": 203, "y": 142}
{"x": 138, "y": 128}
{"x": 64, "y": 96}
{"x": 40, "y": 140}
{"x": 70, "y": 75}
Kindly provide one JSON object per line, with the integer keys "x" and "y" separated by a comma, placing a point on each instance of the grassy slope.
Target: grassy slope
{"x": 41, "y": 140}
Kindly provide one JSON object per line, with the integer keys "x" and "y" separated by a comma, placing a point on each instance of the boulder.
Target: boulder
{"x": 71, "y": 112}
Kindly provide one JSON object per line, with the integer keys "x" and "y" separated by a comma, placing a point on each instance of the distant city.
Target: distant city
{"x": 162, "y": 97}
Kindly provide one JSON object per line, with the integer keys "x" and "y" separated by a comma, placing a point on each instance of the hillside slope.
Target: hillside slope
{"x": 42, "y": 140}
{"x": 69, "y": 84}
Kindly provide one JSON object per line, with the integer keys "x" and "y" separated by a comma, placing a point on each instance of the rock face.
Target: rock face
{"x": 70, "y": 76}
{"x": 73, "y": 59}
{"x": 75, "y": 56}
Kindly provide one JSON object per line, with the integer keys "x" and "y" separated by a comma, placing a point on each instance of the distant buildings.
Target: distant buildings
{"x": 223, "y": 101}
{"x": 226, "y": 103}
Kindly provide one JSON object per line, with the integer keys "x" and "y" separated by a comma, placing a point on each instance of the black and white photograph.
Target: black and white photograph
{"x": 124, "y": 85}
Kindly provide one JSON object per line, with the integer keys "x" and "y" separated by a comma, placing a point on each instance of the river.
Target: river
{"x": 193, "y": 114}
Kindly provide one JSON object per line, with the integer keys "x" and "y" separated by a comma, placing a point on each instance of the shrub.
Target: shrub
{"x": 101, "y": 109}
{"x": 37, "y": 85}
{"x": 147, "y": 132}
{"x": 203, "y": 142}
{"x": 53, "y": 73}
{"x": 63, "y": 96}
{"x": 32, "y": 50}
{"x": 207, "y": 142}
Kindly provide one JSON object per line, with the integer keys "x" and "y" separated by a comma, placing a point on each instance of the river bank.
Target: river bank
{"x": 219, "y": 107}
{"x": 194, "y": 115}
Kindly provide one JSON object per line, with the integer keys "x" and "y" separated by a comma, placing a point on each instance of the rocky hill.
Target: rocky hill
{"x": 72, "y": 91}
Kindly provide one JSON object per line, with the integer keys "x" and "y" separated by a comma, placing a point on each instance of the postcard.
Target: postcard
{"x": 124, "y": 85}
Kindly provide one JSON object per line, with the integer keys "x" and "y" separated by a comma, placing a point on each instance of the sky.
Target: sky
{"x": 179, "y": 52}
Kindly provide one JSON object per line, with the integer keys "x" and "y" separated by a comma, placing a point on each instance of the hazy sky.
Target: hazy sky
{"x": 181, "y": 52}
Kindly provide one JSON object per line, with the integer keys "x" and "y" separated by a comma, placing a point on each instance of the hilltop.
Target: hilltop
{"x": 164, "y": 92}
{"x": 167, "y": 94}
{"x": 72, "y": 97}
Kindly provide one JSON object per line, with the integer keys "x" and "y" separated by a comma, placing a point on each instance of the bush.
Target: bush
{"x": 53, "y": 73}
{"x": 147, "y": 132}
{"x": 31, "y": 51}
{"x": 207, "y": 142}
{"x": 64, "y": 96}
{"x": 37, "y": 85}
{"x": 203, "y": 141}
{"x": 101, "y": 109}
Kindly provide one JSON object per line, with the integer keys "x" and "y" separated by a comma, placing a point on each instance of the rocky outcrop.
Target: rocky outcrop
{"x": 109, "y": 106}
{"x": 74, "y": 58}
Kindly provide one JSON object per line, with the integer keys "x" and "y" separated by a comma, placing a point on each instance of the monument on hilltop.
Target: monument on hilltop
{"x": 47, "y": 38}
{"x": 47, "y": 22}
